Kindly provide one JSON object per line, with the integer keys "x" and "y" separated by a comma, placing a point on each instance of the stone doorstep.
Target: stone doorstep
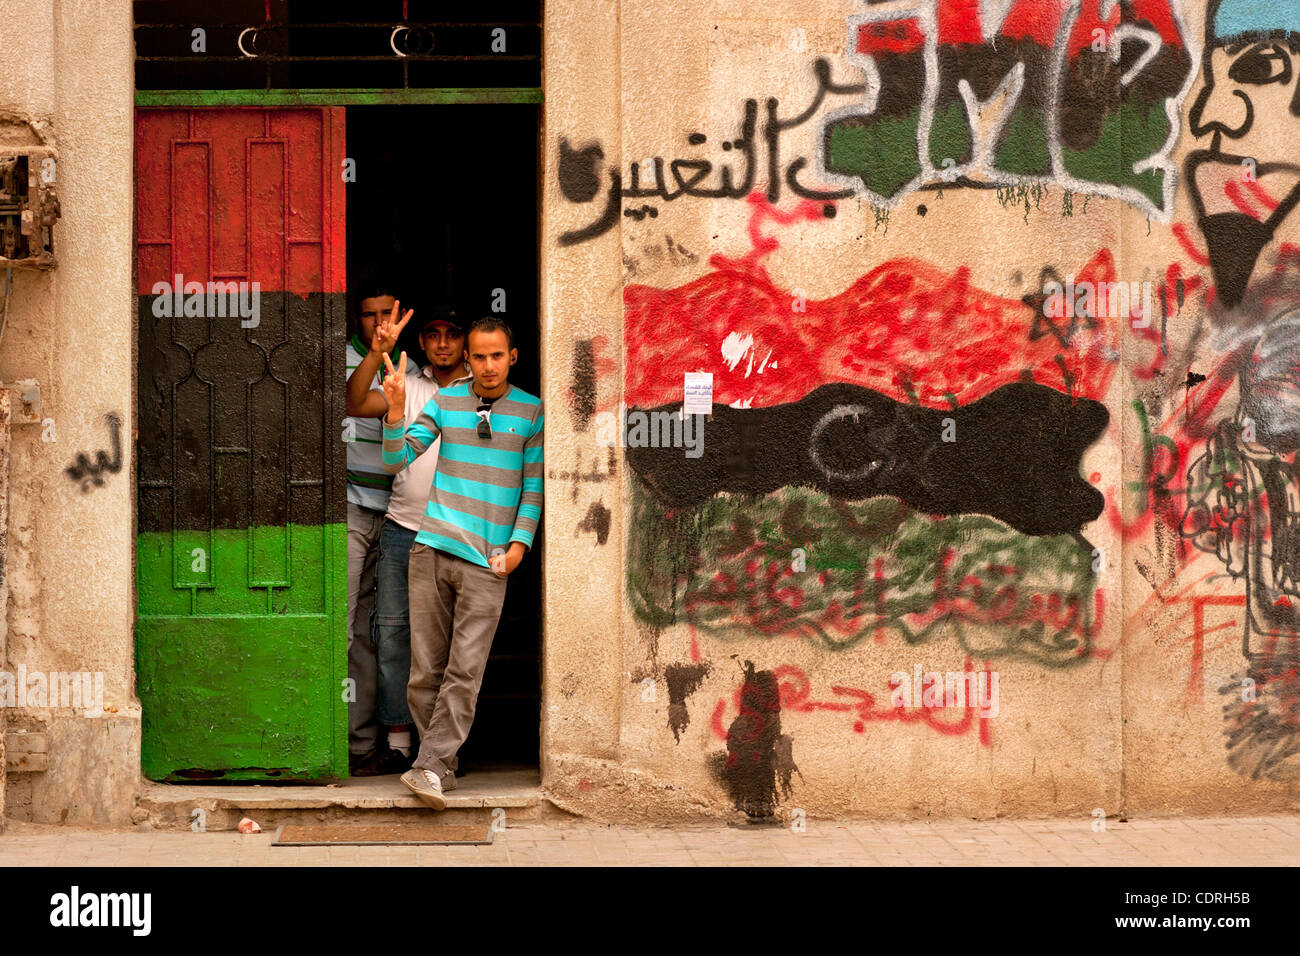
{"x": 371, "y": 800}
{"x": 26, "y": 752}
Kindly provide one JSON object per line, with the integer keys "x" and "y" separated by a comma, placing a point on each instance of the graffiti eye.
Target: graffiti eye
{"x": 1265, "y": 63}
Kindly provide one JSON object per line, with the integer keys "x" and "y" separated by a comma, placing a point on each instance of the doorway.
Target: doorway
{"x": 241, "y": 538}
{"x": 241, "y": 555}
{"x": 445, "y": 206}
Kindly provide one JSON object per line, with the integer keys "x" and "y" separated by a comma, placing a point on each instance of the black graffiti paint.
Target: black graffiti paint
{"x": 678, "y": 253}
{"x": 579, "y": 171}
{"x": 1233, "y": 242}
{"x": 683, "y": 681}
{"x": 90, "y": 474}
{"x": 1247, "y": 517}
{"x": 596, "y": 520}
{"x": 1261, "y": 725}
{"x": 593, "y": 475}
{"x": 1270, "y": 385}
{"x": 1043, "y": 324}
{"x": 582, "y": 396}
{"x": 757, "y": 766}
{"x": 666, "y": 181}
{"x": 1014, "y": 455}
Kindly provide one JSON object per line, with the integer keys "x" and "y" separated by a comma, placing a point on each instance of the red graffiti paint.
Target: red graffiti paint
{"x": 1238, "y": 198}
{"x": 1155, "y": 334}
{"x": 891, "y": 36}
{"x": 1168, "y": 452}
{"x": 761, "y": 244}
{"x": 1063, "y": 613}
{"x": 1262, "y": 196}
{"x": 1189, "y": 247}
{"x": 795, "y": 691}
{"x": 1193, "y": 606}
{"x": 905, "y": 329}
{"x": 961, "y": 23}
{"x": 1196, "y": 679}
{"x": 1036, "y": 20}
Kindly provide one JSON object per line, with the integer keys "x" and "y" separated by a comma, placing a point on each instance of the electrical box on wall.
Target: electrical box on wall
{"x": 29, "y": 207}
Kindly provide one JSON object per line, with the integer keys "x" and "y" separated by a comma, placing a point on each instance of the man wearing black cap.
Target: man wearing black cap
{"x": 443, "y": 342}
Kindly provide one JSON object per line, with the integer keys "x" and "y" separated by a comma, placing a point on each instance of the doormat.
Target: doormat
{"x": 387, "y": 834}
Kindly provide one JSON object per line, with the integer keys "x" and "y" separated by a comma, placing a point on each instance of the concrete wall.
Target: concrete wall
{"x": 67, "y": 68}
{"x": 779, "y": 592}
{"x": 4, "y": 590}
{"x": 911, "y": 468}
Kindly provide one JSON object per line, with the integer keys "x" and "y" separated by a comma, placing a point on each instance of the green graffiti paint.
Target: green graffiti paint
{"x": 1030, "y": 195}
{"x": 882, "y": 153}
{"x": 1023, "y": 149}
{"x": 1128, "y": 136}
{"x": 950, "y": 136}
{"x": 241, "y": 652}
{"x": 870, "y": 569}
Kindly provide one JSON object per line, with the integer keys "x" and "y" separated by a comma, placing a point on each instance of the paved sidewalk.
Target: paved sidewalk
{"x": 1242, "y": 841}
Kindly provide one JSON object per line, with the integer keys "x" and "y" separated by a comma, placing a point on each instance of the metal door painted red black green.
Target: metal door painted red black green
{"x": 241, "y": 646}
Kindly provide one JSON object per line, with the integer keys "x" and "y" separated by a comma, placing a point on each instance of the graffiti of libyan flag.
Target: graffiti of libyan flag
{"x": 912, "y": 465}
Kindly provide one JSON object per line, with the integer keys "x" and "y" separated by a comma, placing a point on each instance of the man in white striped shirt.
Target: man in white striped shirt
{"x": 369, "y": 487}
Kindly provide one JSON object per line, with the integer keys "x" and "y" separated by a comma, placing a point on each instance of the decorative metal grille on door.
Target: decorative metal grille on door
{"x": 308, "y": 44}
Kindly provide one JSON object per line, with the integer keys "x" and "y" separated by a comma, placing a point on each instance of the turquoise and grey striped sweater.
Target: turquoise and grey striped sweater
{"x": 487, "y": 492}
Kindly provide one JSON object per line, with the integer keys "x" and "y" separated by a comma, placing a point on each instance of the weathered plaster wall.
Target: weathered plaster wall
{"x": 986, "y": 486}
{"x": 68, "y": 64}
{"x": 4, "y": 588}
{"x": 721, "y": 631}
{"x": 581, "y": 305}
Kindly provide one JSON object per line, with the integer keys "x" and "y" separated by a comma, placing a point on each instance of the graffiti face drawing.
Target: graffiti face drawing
{"x": 1245, "y": 177}
{"x": 1244, "y": 181}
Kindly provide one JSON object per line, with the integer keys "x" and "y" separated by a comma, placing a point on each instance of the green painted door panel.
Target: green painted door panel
{"x": 232, "y": 690}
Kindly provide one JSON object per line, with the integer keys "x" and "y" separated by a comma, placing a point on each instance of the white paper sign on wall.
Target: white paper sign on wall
{"x": 698, "y": 393}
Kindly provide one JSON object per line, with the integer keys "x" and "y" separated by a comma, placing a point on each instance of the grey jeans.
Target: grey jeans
{"x": 364, "y": 526}
{"x": 455, "y": 606}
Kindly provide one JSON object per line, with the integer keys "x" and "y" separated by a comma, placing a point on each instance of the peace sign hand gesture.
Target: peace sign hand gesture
{"x": 395, "y": 388}
{"x": 388, "y": 329}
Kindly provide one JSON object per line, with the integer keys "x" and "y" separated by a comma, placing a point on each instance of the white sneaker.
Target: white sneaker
{"x": 425, "y": 785}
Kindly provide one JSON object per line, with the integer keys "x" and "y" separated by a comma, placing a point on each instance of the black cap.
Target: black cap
{"x": 444, "y": 315}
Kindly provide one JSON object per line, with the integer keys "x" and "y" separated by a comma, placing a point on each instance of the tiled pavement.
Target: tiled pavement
{"x": 1242, "y": 841}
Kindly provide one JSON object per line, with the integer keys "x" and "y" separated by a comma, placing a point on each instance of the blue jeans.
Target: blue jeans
{"x": 364, "y": 527}
{"x": 392, "y": 633}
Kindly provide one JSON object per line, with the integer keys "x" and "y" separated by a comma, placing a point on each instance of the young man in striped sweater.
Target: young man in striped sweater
{"x": 483, "y": 510}
{"x": 443, "y": 340}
